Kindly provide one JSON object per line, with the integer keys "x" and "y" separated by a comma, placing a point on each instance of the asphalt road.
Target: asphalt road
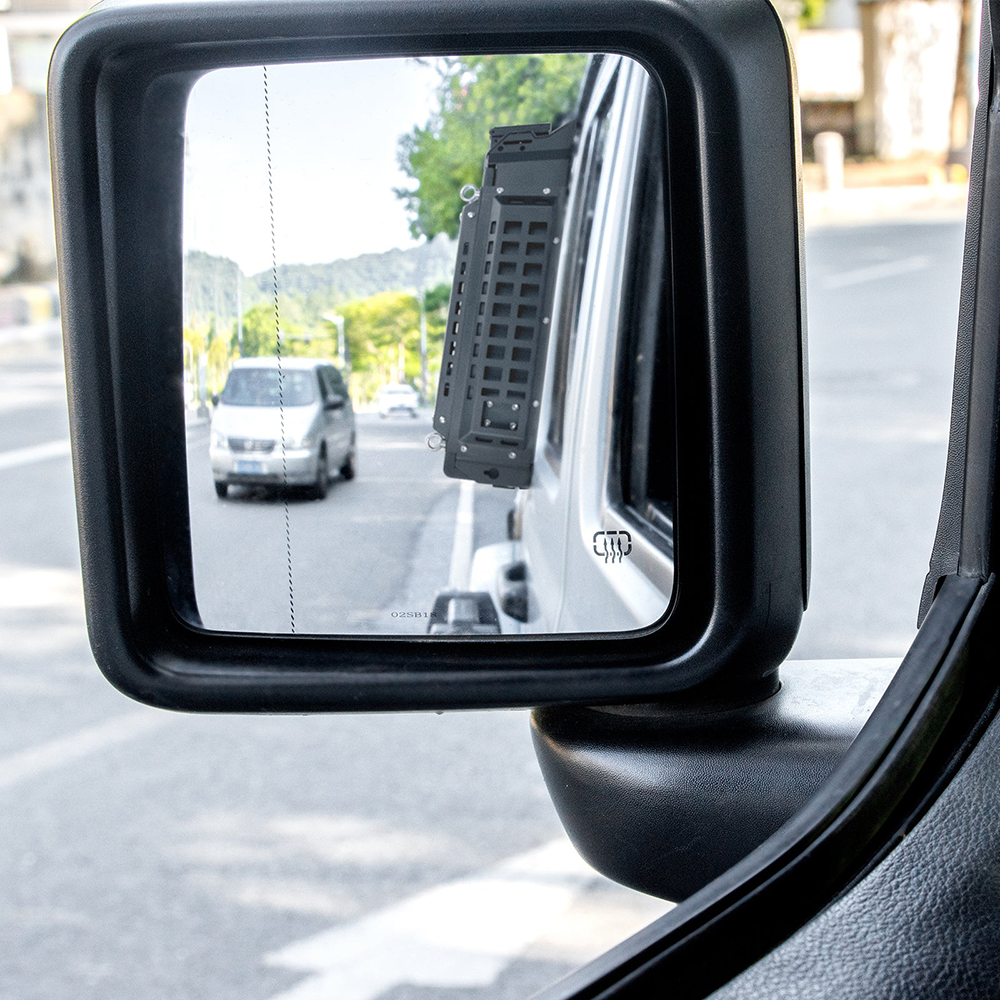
{"x": 375, "y": 548}
{"x": 883, "y": 310}
{"x": 150, "y": 855}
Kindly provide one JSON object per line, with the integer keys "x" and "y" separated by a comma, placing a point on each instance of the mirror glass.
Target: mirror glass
{"x": 422, "y": 398}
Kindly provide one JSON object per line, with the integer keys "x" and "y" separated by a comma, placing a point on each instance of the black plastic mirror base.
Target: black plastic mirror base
{"x": 119, "y": 83}
{"x": 665, "y": 798}
{"x": 937, "y": 705}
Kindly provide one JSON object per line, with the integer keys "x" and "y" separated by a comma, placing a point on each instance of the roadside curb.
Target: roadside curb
{"x": 29, "y": 319}
{"x": 36, "y": 338}
{"x": 883, "y": 204}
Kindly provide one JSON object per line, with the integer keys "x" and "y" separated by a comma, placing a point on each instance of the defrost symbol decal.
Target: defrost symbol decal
{"x": 614, "y": 546}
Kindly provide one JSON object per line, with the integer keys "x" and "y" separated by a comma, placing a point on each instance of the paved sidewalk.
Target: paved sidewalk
{"x": 35, "y": 338}
{"x": 923, "y": 187}
{"x": 881, "y": 204}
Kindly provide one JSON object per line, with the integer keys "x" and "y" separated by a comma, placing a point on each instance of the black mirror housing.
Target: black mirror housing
{"x": 118, "y": 87}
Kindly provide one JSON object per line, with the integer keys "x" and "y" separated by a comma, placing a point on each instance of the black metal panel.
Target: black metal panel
{"x": 498, "y": 318}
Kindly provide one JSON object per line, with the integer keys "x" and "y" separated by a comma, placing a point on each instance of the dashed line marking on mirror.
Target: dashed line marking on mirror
{"x": 36, "y": 760}
{"x": 875, "y": 272}
{"x": 18, "y": 457}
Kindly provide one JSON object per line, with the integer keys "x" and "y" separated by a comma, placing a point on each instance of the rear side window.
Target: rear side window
{"x": 335, "y": 381}
{"x": 327, "y": 383}
{"x": 579, "y": 225}
{"x": 645, "y": 452}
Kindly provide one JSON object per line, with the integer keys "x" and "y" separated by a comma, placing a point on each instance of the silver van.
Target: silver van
{"x": 307, "y": 402}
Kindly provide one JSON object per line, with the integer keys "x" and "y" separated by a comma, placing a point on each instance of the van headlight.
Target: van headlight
{"x": 218, "y": 440}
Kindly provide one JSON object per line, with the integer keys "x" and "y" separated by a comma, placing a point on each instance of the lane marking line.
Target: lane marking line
{"x": 37, "y": 760}
{"x": 460, "y": 934}
{"x": 34, "y": 453}
{"x": 461, "y": 550}
{"x": 875, "y": 272}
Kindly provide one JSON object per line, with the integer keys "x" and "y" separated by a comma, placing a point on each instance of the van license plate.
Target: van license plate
{"x": 242, "y": 466}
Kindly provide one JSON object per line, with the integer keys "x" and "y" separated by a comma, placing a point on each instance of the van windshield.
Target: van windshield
{"x": 259, "y": 387}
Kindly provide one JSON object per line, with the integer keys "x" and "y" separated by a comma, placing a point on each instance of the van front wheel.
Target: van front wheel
{"x": 322, "y": 484}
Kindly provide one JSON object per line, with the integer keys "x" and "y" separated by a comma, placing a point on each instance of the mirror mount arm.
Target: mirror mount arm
{"x": 697, "y": 787}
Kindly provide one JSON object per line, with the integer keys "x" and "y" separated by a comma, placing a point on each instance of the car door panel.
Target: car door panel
{"x": 924, "y": 923}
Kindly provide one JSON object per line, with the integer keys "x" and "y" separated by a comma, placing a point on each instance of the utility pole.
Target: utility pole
{"x": 217, "y": 314}
{"x": 203, "y": 385}
{"x": 239, "y": 310}
{"x": 421, "y": 296}
{"x": 423, "y": 346}
{"x": 338, "y": 321}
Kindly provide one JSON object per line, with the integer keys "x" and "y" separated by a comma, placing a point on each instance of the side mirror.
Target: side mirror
{"x": 662, "y": 542}
{"x": 215, "y": 399}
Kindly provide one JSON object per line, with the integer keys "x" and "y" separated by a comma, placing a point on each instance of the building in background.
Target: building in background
{"x": 896, "y": 78}
{"x": 28, "y": 32}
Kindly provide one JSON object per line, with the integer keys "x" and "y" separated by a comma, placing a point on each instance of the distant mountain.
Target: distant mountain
{"x": 210, "y": 288}
{"x": 210, "y": 281}
{"x": 424, "y": 266}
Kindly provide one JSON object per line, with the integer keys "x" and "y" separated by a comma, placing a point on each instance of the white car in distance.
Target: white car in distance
{"x": 401, "y": 398}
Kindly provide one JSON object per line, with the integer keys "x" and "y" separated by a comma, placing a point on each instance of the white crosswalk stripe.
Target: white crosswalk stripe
{"x": 461, "y": 933}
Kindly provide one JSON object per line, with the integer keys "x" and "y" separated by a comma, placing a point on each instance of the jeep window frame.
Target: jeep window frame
{"x": 642, "y": 471}
{"x": 575, "y": 259}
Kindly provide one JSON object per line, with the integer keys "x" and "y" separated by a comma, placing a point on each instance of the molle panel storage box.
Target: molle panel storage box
{"x": 498, "y": 318}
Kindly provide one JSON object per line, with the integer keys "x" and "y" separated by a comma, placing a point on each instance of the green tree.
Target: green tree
{"x": 220, "y": 359}
{"x": 475, "y": 94}
{"x": 374, "y": 329}
{"x": 437, "y": 300}
{"x": 813, "y": 12}
{"x": 258, "y": 332}
{"x": 260, "y": 338}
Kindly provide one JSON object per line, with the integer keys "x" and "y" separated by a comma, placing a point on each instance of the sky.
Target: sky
{"x": 334, "y": 128}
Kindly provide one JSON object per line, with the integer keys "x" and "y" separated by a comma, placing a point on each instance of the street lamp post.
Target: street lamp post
{"x": 338, "y": 321}
{"x": 423, "y": 345}
{"x": 239, "y": 310}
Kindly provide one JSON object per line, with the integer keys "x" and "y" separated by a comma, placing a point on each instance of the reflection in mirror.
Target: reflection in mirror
{"x": 428, "y": 374}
